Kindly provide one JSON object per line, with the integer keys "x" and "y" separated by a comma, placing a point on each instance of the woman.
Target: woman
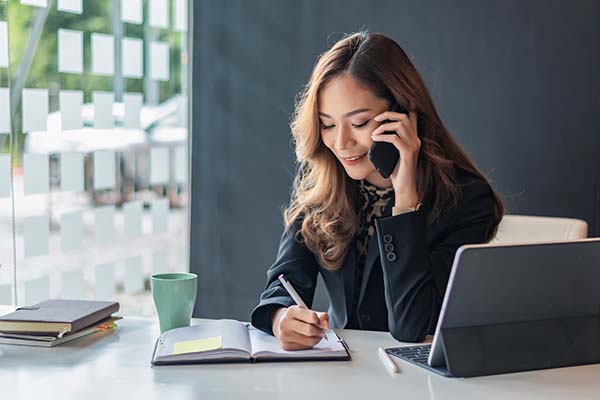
{"x": 384, "y": 246}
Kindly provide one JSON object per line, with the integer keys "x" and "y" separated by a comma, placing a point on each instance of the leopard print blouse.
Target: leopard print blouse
{"x": 373, "y": 201}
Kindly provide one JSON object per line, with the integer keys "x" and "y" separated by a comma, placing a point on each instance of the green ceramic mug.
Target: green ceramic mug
{"x": 174, "y": 297}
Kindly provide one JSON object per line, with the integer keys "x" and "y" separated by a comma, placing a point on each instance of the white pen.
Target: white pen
{"x": 290, "y": 289}
{"x": 295, "y": 296}
{"x": 385, "y": 358}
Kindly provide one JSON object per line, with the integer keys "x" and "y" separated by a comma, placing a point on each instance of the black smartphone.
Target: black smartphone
{"x": 383, "y": 155}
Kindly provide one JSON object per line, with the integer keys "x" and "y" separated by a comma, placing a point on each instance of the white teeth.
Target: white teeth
{"x": 354, "y": 158}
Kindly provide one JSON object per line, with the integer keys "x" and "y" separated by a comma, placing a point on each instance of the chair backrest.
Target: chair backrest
{"x": 526, "y": 228}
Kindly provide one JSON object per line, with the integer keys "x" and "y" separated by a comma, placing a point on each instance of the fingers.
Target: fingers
{"x": 408, "y": 121}
{"x": 317, "y": 319}
{"x": 390, "y": 115}
{"x": 305, "y": 329}
{"x": 400, "y": 143}
{"x": 293, "y": 341}
{"x": 405, "y": 139}
{"x": 302, "y": 314}
{"x": 397, "y": 127}
{"x": 299, "y": 328}
{"x": 324, "y": 320}
{"x": 290, "y": 346}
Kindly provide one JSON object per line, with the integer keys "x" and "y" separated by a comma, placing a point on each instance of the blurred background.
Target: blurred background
{"x": 101, "y": 185}
{"x": 94, "y": 148}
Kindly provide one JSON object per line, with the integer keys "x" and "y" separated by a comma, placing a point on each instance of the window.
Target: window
{"x": 93, "y": 148}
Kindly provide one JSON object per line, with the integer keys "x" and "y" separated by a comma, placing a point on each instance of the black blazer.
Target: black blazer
{"x": 406, "y": 270}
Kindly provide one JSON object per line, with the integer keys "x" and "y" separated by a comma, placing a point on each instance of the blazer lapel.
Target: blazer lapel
{"x": 372, "y": 254}
{"x": 348, "y": 273}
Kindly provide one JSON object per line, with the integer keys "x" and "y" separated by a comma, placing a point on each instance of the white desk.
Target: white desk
{"x": 117, "y": 366}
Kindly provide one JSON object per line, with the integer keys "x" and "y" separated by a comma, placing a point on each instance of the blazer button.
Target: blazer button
{"x": 391, "y": 257}
{"x": 387, "y": 238}
{"x": 366, "y": 318}
{"x": 389, "y": 247}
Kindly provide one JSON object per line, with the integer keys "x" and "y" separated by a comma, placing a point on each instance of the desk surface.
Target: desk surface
{"x": 117, "y": 366}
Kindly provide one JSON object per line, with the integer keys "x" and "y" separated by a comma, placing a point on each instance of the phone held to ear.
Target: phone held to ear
{"x": 384, "y": 155}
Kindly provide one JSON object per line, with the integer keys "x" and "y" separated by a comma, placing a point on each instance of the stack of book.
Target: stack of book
{"x": 53, "y": 322}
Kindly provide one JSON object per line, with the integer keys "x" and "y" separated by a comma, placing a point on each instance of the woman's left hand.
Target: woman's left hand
{"x": 406, "y": 140}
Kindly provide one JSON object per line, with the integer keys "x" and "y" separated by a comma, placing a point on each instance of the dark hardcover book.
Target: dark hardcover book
{"x": 106, "y": 325}
{"x": 57, "y": 316}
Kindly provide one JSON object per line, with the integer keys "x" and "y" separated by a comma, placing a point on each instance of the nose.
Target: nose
{"x": 344, "y": 139}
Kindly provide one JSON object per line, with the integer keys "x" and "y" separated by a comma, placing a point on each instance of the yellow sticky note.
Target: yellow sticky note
{"x": 193, "y": 346}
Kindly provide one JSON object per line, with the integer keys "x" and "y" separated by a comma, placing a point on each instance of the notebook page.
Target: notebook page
{"x": 267, "y": 346}
{"x": 235, "y": 341}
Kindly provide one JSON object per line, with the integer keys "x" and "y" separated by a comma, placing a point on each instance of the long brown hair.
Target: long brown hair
{"x": 323, "y": 195}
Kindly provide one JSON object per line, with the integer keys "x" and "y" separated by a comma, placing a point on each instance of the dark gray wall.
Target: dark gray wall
{"x": 515, "y": 81}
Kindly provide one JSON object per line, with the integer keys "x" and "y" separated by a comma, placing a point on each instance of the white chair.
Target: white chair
{"x": 525, "y": 228}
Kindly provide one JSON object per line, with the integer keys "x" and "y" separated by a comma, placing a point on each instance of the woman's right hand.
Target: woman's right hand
{"x": 298, "y": 328}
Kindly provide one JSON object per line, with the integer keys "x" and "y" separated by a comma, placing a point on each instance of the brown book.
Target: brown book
{"x": 57, "y": 316}
{"x": 51, "y": 341}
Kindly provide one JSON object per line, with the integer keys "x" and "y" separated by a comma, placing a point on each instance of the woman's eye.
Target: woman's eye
{"x": 325, "y": 127}
{"x": 361, "y": 125}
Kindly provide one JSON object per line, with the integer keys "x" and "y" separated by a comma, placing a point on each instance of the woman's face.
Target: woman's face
{"x": 346, "y": 112}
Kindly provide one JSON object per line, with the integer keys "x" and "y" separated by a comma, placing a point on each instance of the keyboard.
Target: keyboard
{"x": 415, "y": 354}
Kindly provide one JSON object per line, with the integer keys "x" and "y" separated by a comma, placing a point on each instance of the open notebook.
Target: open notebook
{"x": 233, "y": 341}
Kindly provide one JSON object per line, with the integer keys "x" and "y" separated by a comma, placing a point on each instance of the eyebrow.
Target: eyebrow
{"x": 348, "y": 114}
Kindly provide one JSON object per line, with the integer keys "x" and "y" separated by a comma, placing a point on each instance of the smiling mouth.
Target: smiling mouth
{"x": 354, "y": 158}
